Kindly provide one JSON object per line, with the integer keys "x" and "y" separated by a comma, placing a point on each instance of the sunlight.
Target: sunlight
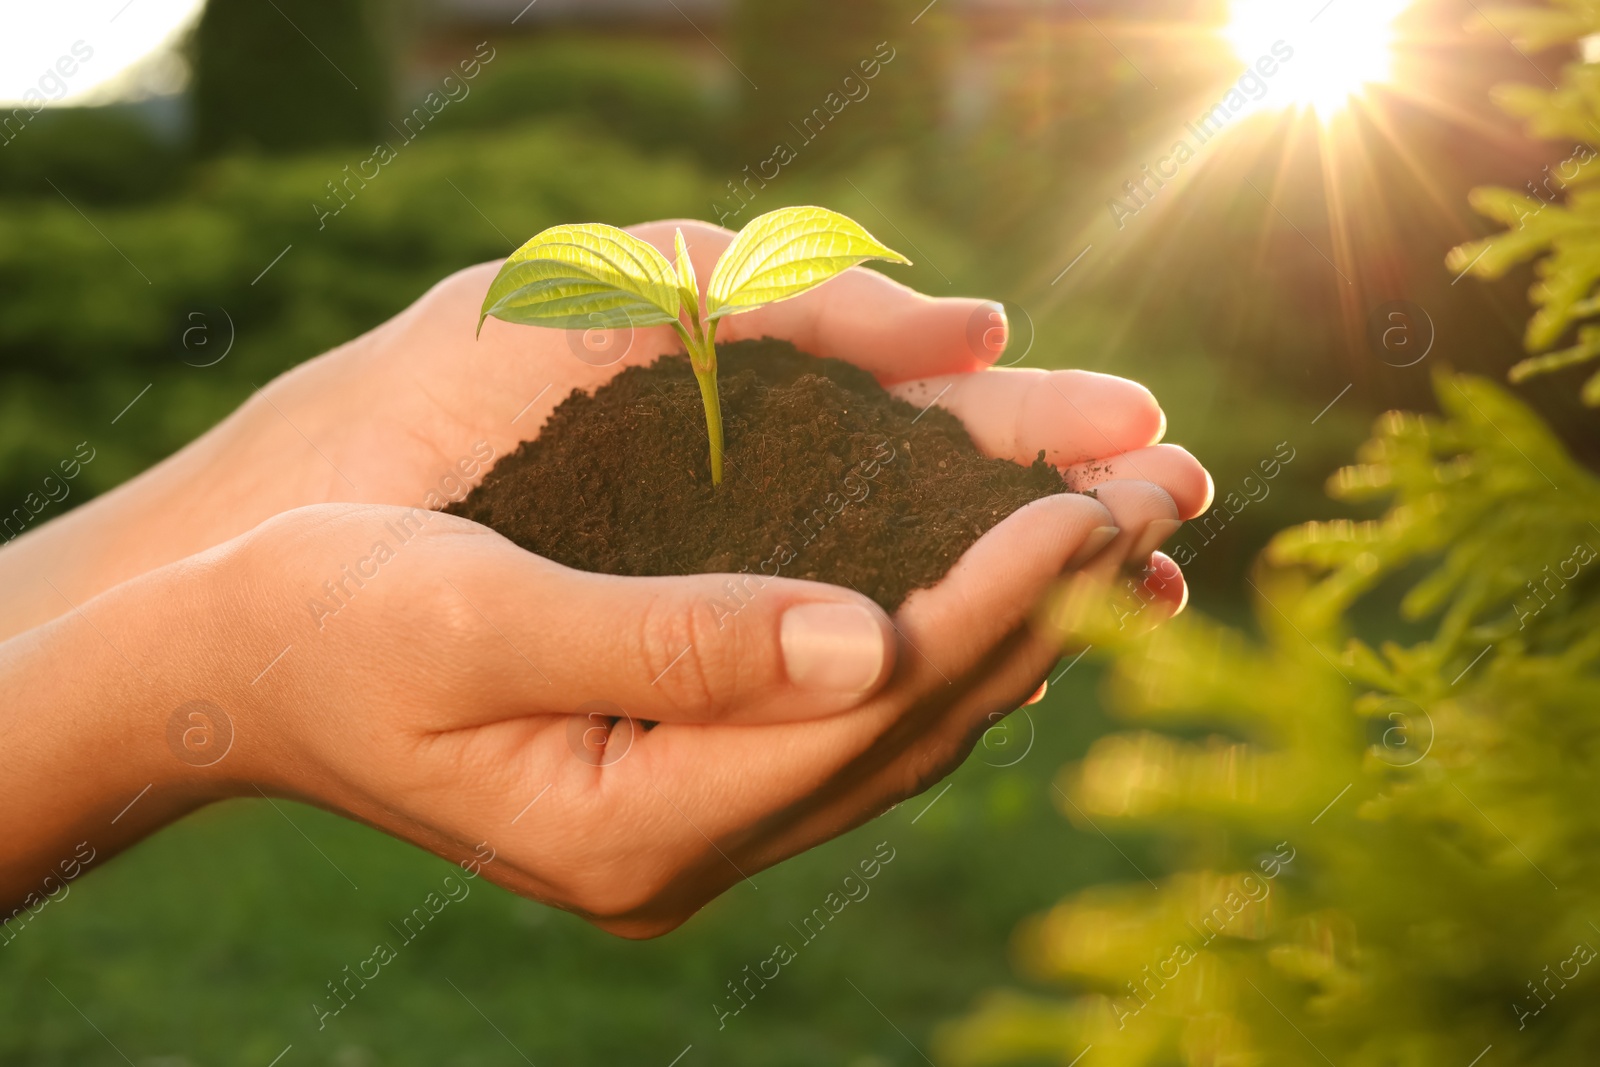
{"x": 90, "y": 52}
{"x": 1340, "y": 48}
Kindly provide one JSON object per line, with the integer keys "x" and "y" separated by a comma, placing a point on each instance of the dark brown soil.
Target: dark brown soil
{"x": 827, "y": 477}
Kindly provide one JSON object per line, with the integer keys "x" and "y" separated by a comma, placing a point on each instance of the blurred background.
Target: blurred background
{"x": 197, "y": 196}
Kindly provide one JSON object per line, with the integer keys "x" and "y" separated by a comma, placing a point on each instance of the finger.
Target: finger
{"x": 985, "y": 600}
{"x": 1158, "y": 587}
{"x": 1014, "y": 681}
{"x": 1138, "y": 600}
{"x": 1070, "y": 415}
{"x": 1147, "y": 518}
{"x": 1017, "y": 679}
{"x": 878, "y": 324}
{"x": 716, "y": 791}
{"x": 815, "y": 792}
{"x": 860, "y": 316}
{"x": 994, "y": 586}
{"x": 814, "y": 785}
{"x": 700, "y": 648}
{"x": 1169, "y": 466}
{"x": 798, "y": 784}
{"x": 1164, "y": 583}
{"x": 678, "y": 780}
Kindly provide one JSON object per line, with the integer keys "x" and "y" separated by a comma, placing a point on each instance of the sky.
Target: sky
{"x": 37, "y": 42}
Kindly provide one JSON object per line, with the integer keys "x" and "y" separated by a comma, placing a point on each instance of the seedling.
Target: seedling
{"x": 594, "y": 276}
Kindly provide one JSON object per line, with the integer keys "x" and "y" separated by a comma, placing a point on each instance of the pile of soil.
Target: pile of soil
{"x": 826, "y": 477}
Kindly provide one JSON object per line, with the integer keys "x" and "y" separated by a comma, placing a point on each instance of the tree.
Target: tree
{"x": 834, "y": 80}
{"x": 281, "y": 75}
{"x": 1554, "y": 219}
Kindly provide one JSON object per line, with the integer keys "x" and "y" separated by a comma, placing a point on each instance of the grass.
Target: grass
{"x": 206, "y": 946}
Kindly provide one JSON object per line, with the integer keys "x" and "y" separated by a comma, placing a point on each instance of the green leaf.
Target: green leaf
{"x": 786, "y": 252}
{"x": 588, "y": 276}
{"x": 1591, "y": 391}
{"x": 1586, "y": 349}
{"x": 688, "y": 285}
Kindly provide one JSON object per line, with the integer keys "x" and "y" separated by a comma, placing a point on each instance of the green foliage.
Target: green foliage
{"x": 289, "y": 74}
{"x": 84, "y": 332}
{"x": 593, "y": 276}
{"x": 642, "y": 92}
{"x": 73, "y": 149}
{"x": 1555, "y": 232}
{"x": 1370, "y": 838}
{"x": 880, "y": 66}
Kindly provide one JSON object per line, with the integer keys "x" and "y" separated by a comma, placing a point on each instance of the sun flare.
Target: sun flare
{"x": 1340, "y": 48}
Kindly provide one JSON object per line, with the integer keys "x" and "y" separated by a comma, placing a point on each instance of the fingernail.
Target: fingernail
{"x": 836, "y": 648}
{"x": 1155, "y": 535}
{"x": 988, "y": 331}
{"x": 1093, "y": 542}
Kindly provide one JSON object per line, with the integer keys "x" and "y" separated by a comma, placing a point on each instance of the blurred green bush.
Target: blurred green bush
{"x": 92, "y": 154}
{"x": 640, "y": 92}
{"x": 290, "y": 74}
{"x": 103, "y": 301}
{"x": 850, "y": 63}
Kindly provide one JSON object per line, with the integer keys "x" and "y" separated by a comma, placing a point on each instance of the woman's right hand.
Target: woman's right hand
{"x": 625, "y": 748}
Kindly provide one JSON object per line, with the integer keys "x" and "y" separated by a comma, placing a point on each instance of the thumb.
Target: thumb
{"x": 712, "y": 648}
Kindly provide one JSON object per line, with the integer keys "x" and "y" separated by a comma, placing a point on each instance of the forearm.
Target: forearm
{"x": 84, "y": 727}
{"x": 223, "y": 483}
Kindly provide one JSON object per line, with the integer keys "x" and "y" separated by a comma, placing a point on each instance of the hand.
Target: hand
{"x": 615, "y": 748}
{"x": 413, "y": 411}
{"x": 435, "y": 727}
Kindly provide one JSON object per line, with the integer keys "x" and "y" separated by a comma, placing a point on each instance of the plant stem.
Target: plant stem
{"x": 713, "y": 406}
{"x": 703, "y": 360}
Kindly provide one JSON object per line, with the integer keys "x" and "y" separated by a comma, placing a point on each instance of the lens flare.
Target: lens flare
{"x": 1340, "y": 48}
